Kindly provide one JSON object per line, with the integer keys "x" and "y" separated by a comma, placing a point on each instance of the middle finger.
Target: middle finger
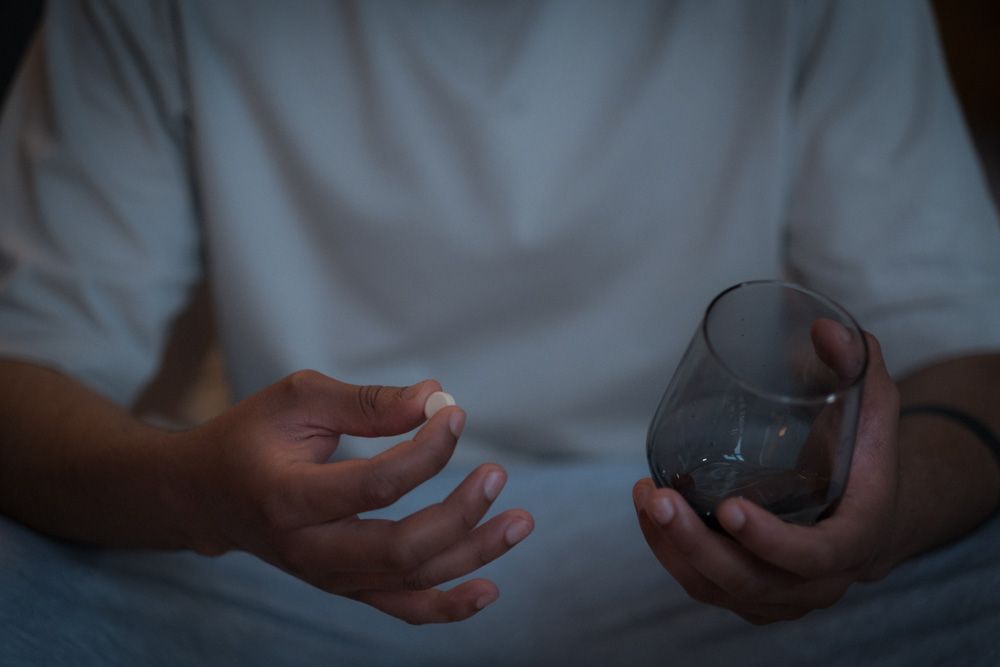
{"x": 376, "y": 545}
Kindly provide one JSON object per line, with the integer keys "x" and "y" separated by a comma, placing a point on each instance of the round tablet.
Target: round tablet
{"x": 436, "y": 401}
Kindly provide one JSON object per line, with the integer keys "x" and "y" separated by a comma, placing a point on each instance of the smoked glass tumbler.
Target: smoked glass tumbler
{"x": 763, "y": 405}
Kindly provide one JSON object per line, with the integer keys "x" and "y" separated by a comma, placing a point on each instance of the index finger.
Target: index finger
{"x": 331, "y": 491}
{"x": 311, "y": 399}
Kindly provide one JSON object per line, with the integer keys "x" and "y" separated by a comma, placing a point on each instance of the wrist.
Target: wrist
{"x": 987, "y": 437}
{"x": 948, "y": 484}
{"x": 185, "y": 492}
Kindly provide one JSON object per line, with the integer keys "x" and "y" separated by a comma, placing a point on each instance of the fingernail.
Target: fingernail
{"x": 493, "y": 485}
{"x": 456, "y": 423}
{"x": 485, "y": 601}
{"x": 845, "y": 334}
{"x": 516, "y": 531}
{"x": 662, "y": 511}
{"x": 733, "y": 518}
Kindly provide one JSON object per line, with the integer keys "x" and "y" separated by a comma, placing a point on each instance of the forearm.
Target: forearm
{"x": 74, "y": 465}
{"x": 949, "y": 480}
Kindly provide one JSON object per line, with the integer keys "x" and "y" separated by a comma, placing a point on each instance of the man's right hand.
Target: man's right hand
{"x": 257, "y": 478}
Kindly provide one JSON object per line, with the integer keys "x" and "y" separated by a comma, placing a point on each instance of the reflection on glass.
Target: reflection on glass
{"x": 763, "y": 405}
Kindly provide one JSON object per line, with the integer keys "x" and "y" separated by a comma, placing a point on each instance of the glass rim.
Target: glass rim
{"x": 816, "y": 399}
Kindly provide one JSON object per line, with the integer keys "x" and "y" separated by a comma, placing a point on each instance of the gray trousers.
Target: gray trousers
{"x": 583, "y": 589}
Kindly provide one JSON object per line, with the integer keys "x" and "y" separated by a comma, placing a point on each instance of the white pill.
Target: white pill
{"x": 436, "y": 401}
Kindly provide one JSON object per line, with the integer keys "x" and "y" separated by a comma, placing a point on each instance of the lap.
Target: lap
{"x": 583, "y": 589}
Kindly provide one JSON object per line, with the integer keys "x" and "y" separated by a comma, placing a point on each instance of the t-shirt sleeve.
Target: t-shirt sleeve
{"x": 99, "y": 244}
{"x": 889, "y": 212}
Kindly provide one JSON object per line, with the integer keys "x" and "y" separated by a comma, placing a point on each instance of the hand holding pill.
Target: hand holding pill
{"x": 271, "y": 489}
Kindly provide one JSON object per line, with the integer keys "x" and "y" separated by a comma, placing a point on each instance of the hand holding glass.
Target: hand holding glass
{"x": 764, "y": 404}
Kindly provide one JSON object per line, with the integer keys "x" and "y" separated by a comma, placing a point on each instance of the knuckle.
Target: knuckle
{"x": 416, "y": 580}
{"x": 368, "y": 399}
{"x": 483, "y": 557}
{"x": 377, "y": 490}
{"x": 402, "y": 556}
{"x": 455, "y": 516}
{"x": 300, "y": 383}
{"x": 461, "y": 516}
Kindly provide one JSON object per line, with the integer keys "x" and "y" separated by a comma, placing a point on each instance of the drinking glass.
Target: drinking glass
{"x": 764, "y": 404}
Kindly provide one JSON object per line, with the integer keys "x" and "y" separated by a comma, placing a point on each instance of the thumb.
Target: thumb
{"x": 840, "y": 348}
{"x": 363, "y": 410}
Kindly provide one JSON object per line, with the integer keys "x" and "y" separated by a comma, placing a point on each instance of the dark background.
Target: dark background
{"x": 17, "y": 23}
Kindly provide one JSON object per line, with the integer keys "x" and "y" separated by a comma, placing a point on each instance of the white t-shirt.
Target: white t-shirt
{"x": 531, "y": 202}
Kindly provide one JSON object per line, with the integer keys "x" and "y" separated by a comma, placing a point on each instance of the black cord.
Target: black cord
{"x": 983, "y": 432}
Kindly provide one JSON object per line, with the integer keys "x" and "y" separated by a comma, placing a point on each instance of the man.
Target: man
{"x": 531, "y": 203}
